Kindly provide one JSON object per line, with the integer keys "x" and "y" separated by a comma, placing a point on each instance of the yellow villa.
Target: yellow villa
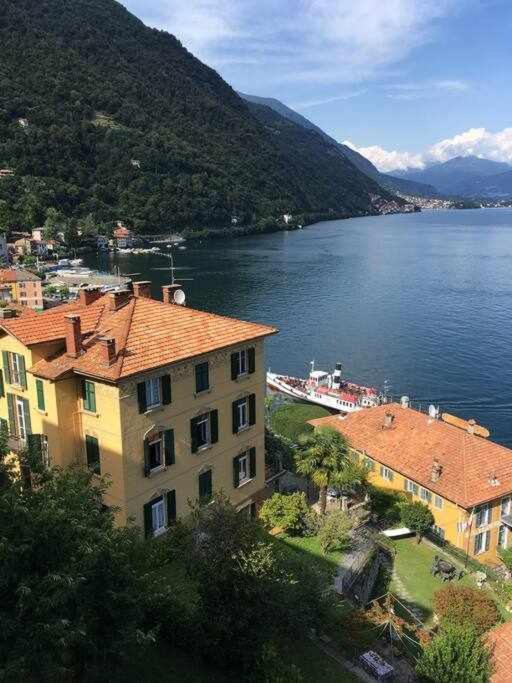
{"x": 166, "y": 400}
{"x": 465, "y": 479}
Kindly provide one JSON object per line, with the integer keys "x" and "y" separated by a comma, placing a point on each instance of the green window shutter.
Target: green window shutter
{"x": 141, "y": 397}
{"x": 2, "y": 387}
{"x": 252, "y": 359}
{"x": 171, "y": 507}
{"x": 193, "y": 435}
{"x": 40, "y": 394}
{"x": 7, "y": 367}
{"x": 26, "y": 412}
{"x": 234, "y": 366}
{"x": 252, "y": 409}
{"x": 23, "y": 371}
{"x": 168, "y": 437}
{"x": 202, "y": 377}
{"x": 166, "y": 389}
{"x": 92, "y": 449}
{"x": 234, "y": 411}
{"x": 487, "y": 539}
{"x": 89, "y": 396}
{"x": 147, "y": 466}
{"x": 252, "y": 462}
{"x": 205, "y": 486}
{"x": 236, "y": 472}
{"x": 214, "y": 426}
{"x": 11, "y": 408}
{"x": 148, "y": 520}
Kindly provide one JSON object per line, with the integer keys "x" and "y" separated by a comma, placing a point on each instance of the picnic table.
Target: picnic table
{"x": 376, "y": 666}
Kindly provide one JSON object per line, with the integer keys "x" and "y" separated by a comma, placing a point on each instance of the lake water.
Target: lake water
{"x": 421, "y": 300}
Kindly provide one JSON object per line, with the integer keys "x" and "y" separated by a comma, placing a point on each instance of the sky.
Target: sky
{"x": 405, "y": 82}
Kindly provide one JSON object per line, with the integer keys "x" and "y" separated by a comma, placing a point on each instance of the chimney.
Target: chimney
{"x": 437, "y": 470}
{"x": 107, "y": 351}
{"x": 142, "y": 289}
{"x": 389, "y": 418}
{"x": 168, "y": 294}
{"x": 88, "y": 295}
{"x": 117, "y": 300}
{"x": 8, "y": 313}
{"x": 73, "y": 335}
{"x": 471, "y": 426}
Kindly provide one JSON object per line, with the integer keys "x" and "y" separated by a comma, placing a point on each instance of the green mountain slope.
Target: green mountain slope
{"x": 390, "y": 182}
{"x": 124, "y": 123}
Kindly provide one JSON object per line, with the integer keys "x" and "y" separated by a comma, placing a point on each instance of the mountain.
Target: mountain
{"x": 490, "y": 187}
{"x": 390, "y": 182}
{"x": 458, "y": 176}
{"x": 102, "y": 115}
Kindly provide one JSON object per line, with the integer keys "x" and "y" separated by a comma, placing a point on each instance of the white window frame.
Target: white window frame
{"x": 160, "y": 515}
{"x": 242, "y": 363}
{"x": 386, "y": 473}
{"x": 153, "y": 392}
{"x": 242, "y": 409}
{"x": 411, "y": 487}
{"x": 507, "y": 501}
{"x": 504, "y": 528}
{"x": 244, "y": 469}
{"x": 20, "y": 418}
{"x": 157, "y": 439}
{"x": 438, "y": 502}
{"x": 425, "y": 495}
{"x": 439, "y": 531}
{"x": 484, "y": 520}
{"x": 14, "y": 363}
{"x": 482, "y": 536}
{"x": 204, "y": 420}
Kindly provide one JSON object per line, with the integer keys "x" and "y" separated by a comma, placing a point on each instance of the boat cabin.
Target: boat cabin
{"x": 319, "y": 378}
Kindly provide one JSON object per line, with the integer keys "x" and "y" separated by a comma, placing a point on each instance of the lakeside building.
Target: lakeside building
{"x": 21, "y": 287}
{"x": 465, "y": 479}
{"x": 166, "y": 400}
{"x": 123, "y": 238}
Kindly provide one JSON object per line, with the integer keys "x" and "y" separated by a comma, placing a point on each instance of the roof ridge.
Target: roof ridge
{"x": 128, "y": 327}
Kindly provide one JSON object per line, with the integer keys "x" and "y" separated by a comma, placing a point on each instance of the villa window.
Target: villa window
{"x": 159, "y": 514}
{"x": 244, "y": 413}
{"x": 89, "y": 396}
{"x": 202, "y": 377}
{"x": 92, "y": 450}
{"x": 19, "y": 417}
{"x": 158, "y": 452}
{"x": 244, "y": 467}
{"x": 369, "y": 464}
{"x": 14, "y": 369}
{"x": 438, "y": 531}
{"x": 243, "y": 362}
{"x": 483, "y": 515}
{"x": 153, "y": 393}
{"x": 505, "y": 505}
{"x": 40, "y": 394}
{"x": 438, "y": 502}
{"x": 425, "y": 495}
{"x": 411, "y": 487}
{"x": 204, "y": 430}
{"x": 502, "y": 536}
{"x": 482, "y": 541}
{"x": 205, "y": 487}
{"x": 386, "y": 473}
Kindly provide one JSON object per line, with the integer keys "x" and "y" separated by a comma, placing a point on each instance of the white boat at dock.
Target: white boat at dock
{"x": 327, "y": 390}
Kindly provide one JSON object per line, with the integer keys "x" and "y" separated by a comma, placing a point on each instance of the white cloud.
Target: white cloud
{"x": 327, "y": 100}
{"x": 416, "y": 91}
{"x": 317, "y": 41}
{"x": 473, "y": 142}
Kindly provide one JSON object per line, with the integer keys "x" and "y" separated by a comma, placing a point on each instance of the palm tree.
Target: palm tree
{"x": 324, "y": 457}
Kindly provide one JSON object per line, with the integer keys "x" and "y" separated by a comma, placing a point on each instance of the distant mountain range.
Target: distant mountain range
{"x": 468, "y": 176}
{"x": 390, "y": 182}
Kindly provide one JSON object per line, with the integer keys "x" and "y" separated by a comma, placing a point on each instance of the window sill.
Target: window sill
{"x": 244, "y": 483}
{"x": 244, "y": 429}
{"x": 242, "y": 377}
{"x": 42, "y": 412}
{"x": 160, "y": 532}
{"x": 206, "y": 447}
{"x": 154, "y": 409}
{"x": 204, "y": 392}
{"x": 157, "y": 470}
{"x": 90, "y": 413}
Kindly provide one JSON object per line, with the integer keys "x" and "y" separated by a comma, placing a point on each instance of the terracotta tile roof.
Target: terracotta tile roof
{"x": 469, "y": 463}
{"x": 500, "y": 640}
{"x": 148, "y": 334}
{"x": 11, "y": 275}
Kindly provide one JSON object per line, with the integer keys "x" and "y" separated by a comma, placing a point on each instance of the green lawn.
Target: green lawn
{"x": 290, "y": 419}
{"x": 307, "y": 550}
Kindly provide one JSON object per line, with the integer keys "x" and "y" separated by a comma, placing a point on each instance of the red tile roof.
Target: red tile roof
{"x": 11, "y": 275}
{"x": 474, "y": 470}
{"x": 148, "y": 334}
{"x": 500, "y": 640}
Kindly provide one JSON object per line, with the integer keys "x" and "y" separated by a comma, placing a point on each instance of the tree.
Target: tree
{"x": 6, "y": 465}
{"x": 285, "y": 511}
{"x": 323, "y": 456}
{"x": 466, "y": 605}
{"x": 53, "y": 224}
{"x": 456, "y": 654}
{"x": 334, "y": 533}
{"x": 417, "y": 517}
{"x": 73, "y": 587}
{"x": 279, "y": 453}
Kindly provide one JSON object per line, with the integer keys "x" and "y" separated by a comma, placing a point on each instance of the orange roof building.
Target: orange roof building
{"x": 500, "y": 642}
{"x": 465, "y": 479}
{"x": 166, "y": 400}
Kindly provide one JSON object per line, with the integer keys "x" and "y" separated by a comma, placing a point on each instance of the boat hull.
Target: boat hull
{"x": 276, "y": 383}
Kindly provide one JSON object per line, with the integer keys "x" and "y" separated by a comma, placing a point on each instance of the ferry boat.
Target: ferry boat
{"x": 327, "y": 390}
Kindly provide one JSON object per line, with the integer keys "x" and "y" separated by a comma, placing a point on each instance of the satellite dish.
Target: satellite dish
{"x": 179, "y": 297}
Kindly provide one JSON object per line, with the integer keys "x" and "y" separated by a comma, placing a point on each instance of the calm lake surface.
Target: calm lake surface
{"x": 422, "y": 300}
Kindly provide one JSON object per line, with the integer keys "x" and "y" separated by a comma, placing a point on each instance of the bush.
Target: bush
{"x": 466, "y": 606}
{"x": 386, "y": 504}
{"x": 456, "y": 654}
{"x": 312, "y": 523}
{"x": 334, "y": 531}
{"x": 287, "y": 512}
{"x": 290, "y": 420}
{"x": 417, "y": 517}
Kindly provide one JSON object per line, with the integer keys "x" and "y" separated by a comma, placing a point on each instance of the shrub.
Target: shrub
{"x": 334, "y": 531}
{"x": 417, "y": 517}
{"x": 312, "y": 523}
{"x": 456, "y": 654}
{"x": 288, "y": 512}
{"x": 290, "y": 420}
{"x": 466, "y": 605}
{"x": 386, "y": 504}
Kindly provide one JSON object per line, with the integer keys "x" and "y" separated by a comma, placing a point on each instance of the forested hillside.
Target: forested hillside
{"x": 101, "y": 115}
